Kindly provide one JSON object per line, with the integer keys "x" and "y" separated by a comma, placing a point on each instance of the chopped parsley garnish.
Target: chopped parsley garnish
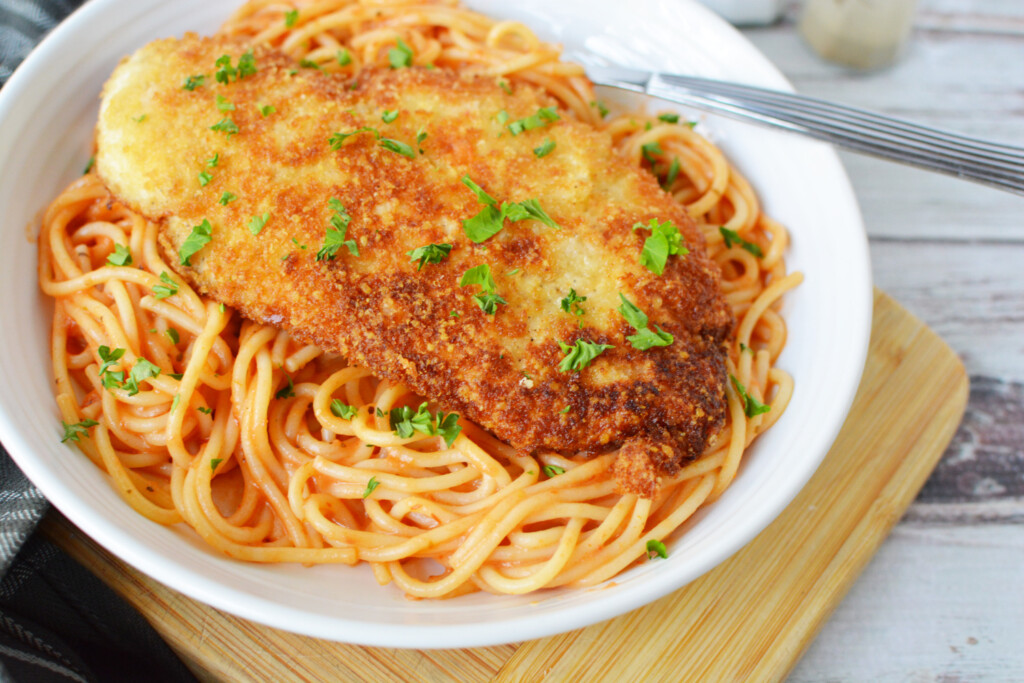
{"x": 193, "y": 82}
{"x": 491, "y": 219}
{"x": 572, "y": 303}
{"x": 565, "y": 410}
{"x": 399, "y": 147}
{"x": 732, "y": 237}
{"x": 650, "y": 150}
{"x": 108, "y": 378}
{"x": 200, "y": 236}
{"x": 371, "y": 486}
{"x": 453, "y": 314}
{"x": 122, "y": 256}
{"x": 404, "y": 422}
{"x": 213, "y": 161}
{"x": 227, "y": 198}
{"x": 656, "y": 548}
{"x": 400, "y": 55}
{"x": 645, "y": 337}
{"x": 503, "y": 84}
{"x": 545, "y": 149}
{"x": 432, "y": 253}
{"x": 308, "y": 64}
{"x": 290, "y": 18}
{"x": 205, "y": 178}
{"x": 501, "y": 117}
{"x": 665, "y": 241}
{"x": 488, "y": 302}
{"x": 89, "y": 164}
{"x": 580, "y": 354}
{"x": 334, "y": 238}
{"x": 266, "y": 110}
{"x": 421, "y": 135}
{"x": 343, "y": 410}
{"x": 168, "y": 288}
{"x": 205, "y": 411}
{"x": 669, "y": 118}
{"x": 343, "y": 57}
{"x": 140, "y": 118}
{"x": 226, "y": 126}
{"x": 257, "y": 223}
{"x": 389, "y": 115}
{"x": 751, "y": 406}
{"x": 670, "y": 177}
{"x": 246, "y": 67}
{"x": 74, "y": 432}
{"x": 214, "y": 462}
{"x": 143, "y": 370}
{"x": 601, "y": 109}
{"x": 543, "y": 117}
{"x": 173, "y": 335}
{"x": 223, "y": 104}
{"x": 338, "y": 139}
{"x": 478, "y": 275}
{"x": 288, "y": 390}
{"x": 553, "y": 470}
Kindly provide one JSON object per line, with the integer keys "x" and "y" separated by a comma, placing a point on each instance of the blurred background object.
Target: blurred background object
{"x": 746, "y": 12}
{"x": 863, "y": 34}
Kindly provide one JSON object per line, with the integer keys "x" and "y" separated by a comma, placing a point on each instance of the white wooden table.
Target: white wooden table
{"x": 944, "y": 598}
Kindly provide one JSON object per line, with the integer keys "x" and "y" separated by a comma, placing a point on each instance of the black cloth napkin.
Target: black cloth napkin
{"x": 58, "y": 622}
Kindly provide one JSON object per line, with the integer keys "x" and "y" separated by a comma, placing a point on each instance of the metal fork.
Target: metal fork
{"x": 990, "y": 163}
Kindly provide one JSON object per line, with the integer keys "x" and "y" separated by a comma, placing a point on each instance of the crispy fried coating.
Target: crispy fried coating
{"x": 379, "y": 309}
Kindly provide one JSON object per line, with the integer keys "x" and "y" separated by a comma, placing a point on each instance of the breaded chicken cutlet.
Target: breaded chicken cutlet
{"x": 410, "y": 221}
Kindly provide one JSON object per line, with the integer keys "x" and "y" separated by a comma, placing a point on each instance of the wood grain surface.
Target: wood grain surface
{"x": 749, "y": 619}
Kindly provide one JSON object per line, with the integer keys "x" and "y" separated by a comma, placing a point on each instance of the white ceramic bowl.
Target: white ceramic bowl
{"x": 47, "y": 111}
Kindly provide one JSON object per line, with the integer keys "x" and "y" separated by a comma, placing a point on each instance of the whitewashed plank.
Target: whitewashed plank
{"x": 936, "y": 605}
{"x": 971, "y": 294}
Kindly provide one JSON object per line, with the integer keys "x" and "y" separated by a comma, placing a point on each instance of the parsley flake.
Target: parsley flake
{"x": 89, "y": 164}
{"x": 193, "y": 82}
{"x": 257, "y": 223}
{"x": 478, "y": 275}
{"x": 580, "y": 354}
{"x": 343, "y": 410}
{"x": 572, "y": 303}
{"x": 214, "y": 462}
{"x": 205, "y": 178}
{"x": 404, "y": 422}
{"x": 732, "y": 237}
{"x": 122, "y": 256}
{"x": 432, "y": 253}
{"x": 398, "y": 147}
{"x": 400, "y": 55}
{"x": 205, "y": 411}
{"x": 290, "y": 18}
{"x": 601, "y": 108}
{"x": 168, "y": 288}
{"x": 309, "y": 64}
{"x": 226, "y": 126}
{"x": 223, "y": 104}
{"x": 227, "y": 198}
{"x": 543, "y": 117}
{"x": 334, "y": 238}
{"x": 545, "y": 149}
{"x": 669, "y": 118}
{"x": 173, "y": 335}
{"x": 343, "y": 57}
{"x": 200, "y": 236}
{"x": 288, "y": 390}
{"x": 751, "y": 406}
{"x": 389, "y": 115}
{"x": 74, "y": 432}
{"x": 371, "y": 486}
{"x": 645, "y": 337}
{"x": 656, "y": 548}
{"x": 140, "y": 118}
{"x": 553, "y": 470}
{"x": 488, "y": 302}
{"x": 266, "y": 110}
{"x": 665, "y": 241}
{"x": 650, "y": 150}
{"x": 143, "y": 370}
{"x": 213, "y": 161}
{"x": 670, "y": 177}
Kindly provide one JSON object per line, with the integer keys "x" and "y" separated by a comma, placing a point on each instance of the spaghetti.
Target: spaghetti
{"x": 247, "y": 435}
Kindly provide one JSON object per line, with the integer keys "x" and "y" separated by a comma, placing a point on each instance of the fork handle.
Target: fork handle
{"x": 993, "y": 164}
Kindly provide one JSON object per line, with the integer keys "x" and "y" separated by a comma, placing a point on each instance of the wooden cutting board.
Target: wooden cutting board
{"x": 750, "y": 619}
